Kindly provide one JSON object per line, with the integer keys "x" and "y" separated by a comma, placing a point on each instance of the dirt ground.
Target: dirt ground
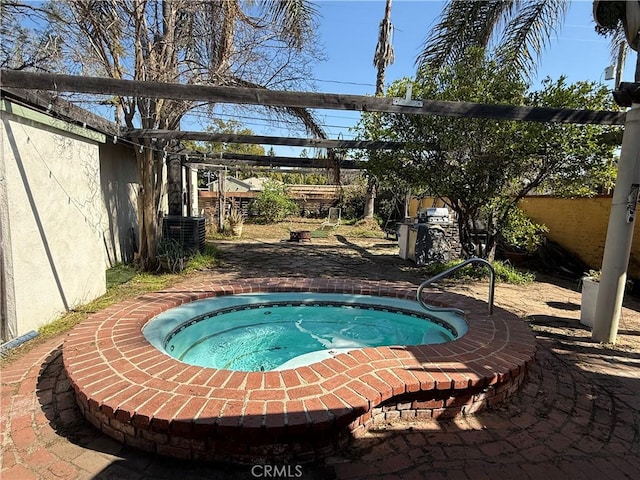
{"x": 367, "y": 229}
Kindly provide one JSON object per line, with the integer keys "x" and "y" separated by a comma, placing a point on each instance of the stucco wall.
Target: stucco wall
{"x": 118, "y": 181}
{"x": 54, "y": 220}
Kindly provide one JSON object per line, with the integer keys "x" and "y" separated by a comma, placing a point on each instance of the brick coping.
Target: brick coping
{"x": 140, "y": 396}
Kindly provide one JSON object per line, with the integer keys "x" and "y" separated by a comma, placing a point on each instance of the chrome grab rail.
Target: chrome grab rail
{"x": 446, "y": 273}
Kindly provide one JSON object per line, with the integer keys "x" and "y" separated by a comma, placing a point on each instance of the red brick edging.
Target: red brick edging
{"x": 146, "y": 399}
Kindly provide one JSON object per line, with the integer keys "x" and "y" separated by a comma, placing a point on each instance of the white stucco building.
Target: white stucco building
{"x": 67, "y": 211}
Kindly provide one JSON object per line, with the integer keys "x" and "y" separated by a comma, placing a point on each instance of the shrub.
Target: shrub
{"x": 272, "y": 204}
{"x": 171, "y": 255}
{"x": 505, "y": 272}
{"x": 352, "y": 201}
{"x": 521, "y": 233}
{"x": 203, "y": 260}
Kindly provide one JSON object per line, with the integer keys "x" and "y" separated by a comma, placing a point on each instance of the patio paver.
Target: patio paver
{"x": 578, "y": 416}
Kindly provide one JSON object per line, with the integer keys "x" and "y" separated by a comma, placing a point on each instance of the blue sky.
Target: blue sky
{"x": 349, "y": 32}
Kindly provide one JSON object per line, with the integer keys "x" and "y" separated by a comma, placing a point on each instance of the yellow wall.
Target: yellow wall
{"x": 578, "y": 224}
{"x": 420, "y": 204}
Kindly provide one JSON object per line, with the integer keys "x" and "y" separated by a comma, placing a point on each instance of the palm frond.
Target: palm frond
{"x": 463, "y": 24}
{"x": 616, "y": 37}
{"x": 295, "y": 16}
{"x": 528, "y": 33}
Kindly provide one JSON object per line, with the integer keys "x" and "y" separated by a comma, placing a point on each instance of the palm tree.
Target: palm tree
{"x": 517, "y": 31}
{"x": 384, "y": 55}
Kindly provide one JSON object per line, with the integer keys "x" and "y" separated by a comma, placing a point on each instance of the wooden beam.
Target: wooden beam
{"x": 234, "y": 159}
{"x": 258, "y": 139}
{"x": 255, "y": 96}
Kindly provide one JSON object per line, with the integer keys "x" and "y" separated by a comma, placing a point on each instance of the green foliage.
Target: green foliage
{"x": 363, "y": 233}
{"x": 230, "y": 127}
{"x": 119, "y": 274}
{"x": 485, "y": 166}
{"x": 518, "y": 32}
{"x": 521, "y": 233}
{"x": 272, "y": 204}
{"x": 505, "y": 272}
{"x": 573, "y": 160}
{"x": 352, "y": 201}
{"x": 174, "y": 258}
{"x": 119, "y": 288}
{"x": 288, "y": 178}
{"x": 315, "y": 179}
{"x": 171, "y": 255}
{"x": 203, "y": 260}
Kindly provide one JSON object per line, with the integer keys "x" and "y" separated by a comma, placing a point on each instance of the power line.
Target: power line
{"x": 344, "y": 83}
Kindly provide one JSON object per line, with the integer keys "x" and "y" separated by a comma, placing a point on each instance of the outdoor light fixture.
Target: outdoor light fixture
{"x": 609, "y": 72}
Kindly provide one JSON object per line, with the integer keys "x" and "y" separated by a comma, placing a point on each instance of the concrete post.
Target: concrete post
{"x": 619, "y": 233}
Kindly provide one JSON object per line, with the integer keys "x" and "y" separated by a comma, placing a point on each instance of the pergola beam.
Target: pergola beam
{"x": 236, "y": 159}
{"x": 256, "y": 96}
{"x": 259, "y": 139}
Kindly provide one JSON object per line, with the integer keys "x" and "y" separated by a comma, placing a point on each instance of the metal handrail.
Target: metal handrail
{"x": 446, "y": 273}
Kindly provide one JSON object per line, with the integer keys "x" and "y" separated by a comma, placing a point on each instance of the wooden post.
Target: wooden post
{"x": 221, "y": 199}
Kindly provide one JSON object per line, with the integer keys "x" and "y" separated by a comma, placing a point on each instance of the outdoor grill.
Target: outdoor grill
{"x": 434, "y": 215}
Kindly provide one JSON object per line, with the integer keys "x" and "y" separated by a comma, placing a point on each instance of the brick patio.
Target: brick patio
{"x": 576, "y": 417}
{"x": 148, "y": 400}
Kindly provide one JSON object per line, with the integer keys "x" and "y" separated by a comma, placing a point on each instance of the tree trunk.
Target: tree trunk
{"x": 407, "y": 203}
{"x": 463, "y": 233}
{"x": 622, "y": 50}
{"x": 369, "y": 202}
{"x": 384, "y": 49}
{"x": 382, "y": 57}
{"x": 147, "y": 217}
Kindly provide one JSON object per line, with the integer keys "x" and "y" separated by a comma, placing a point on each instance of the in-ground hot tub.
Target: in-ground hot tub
{"x": 149, "y": 400}
{"x": 278, "y": 331}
